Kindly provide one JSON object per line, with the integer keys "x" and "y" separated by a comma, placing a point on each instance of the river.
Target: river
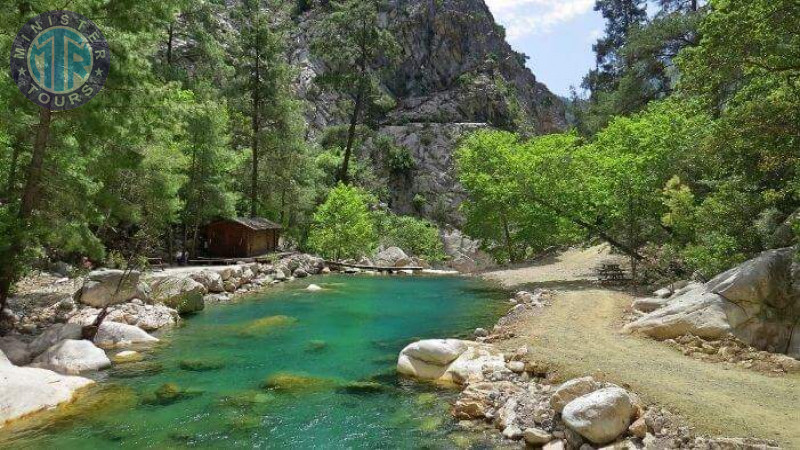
{"x": 284, "y": 369}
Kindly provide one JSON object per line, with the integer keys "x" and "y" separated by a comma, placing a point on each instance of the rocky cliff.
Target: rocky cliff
{"x": 456, "y": 73}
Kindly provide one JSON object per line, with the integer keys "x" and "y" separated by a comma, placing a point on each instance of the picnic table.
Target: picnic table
{"x": 611, "y": 273}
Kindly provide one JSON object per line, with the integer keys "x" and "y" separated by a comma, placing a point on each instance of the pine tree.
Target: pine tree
{"x": 355, "y": 49}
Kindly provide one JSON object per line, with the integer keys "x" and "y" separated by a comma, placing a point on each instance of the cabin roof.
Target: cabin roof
{"x": 253, "y": 223}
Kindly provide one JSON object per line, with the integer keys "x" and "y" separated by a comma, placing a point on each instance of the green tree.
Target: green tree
{"x": 343, "y": 226}
{"x": 355, "y": 49}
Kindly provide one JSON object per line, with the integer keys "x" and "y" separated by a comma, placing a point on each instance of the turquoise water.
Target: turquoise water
{"x": 314, "y": 346}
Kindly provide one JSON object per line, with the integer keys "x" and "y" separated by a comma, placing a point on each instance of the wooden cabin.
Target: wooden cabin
{"x": 242, "y": 237}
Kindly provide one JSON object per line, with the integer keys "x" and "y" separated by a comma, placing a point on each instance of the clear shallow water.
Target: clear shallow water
{"x": 312, "y": 345}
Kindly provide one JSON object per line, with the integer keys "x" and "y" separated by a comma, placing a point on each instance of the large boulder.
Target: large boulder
{"x": 114, "y": 334}
{"x": 72, "y": 357}
{"x": 571, "y": 390}
{"x": 146, "y": 317}
{"x": 450, "y": 361}
{"x": 24, "y": 390}
{"x": 429, "y": 359}
{"x": 211, "y": 280}
{"x": 110, "y": 287}
{"x": 390, "y": 257}
{"x": 16, "y": 351}
{"x": 758, "y": 301}
{"x": 53, "y": 335}
{"x": 180, "y": 293}
{"x": 601, "y": 416}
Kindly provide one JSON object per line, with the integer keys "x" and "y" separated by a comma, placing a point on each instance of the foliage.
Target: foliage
{"x": 399, "y": 159}
{"x": 343, "y": 226}
{"x": 417, "y": 237}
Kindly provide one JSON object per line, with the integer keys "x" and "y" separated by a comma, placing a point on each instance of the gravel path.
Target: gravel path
{"x": 579, "y": 335}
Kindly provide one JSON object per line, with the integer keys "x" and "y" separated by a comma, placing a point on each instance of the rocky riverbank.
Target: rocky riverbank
{"x": 522, "y": 398}
{"x": 747, "y": 316}
{"x": 44, "y": 360}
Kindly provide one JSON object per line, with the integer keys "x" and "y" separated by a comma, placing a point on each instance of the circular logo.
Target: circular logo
{"x": 60, "y": 60}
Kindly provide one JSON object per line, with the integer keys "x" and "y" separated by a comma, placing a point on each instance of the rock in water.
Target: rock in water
{"x": 25, "y": 390}
{"x": 72, "y": 357}
{"x": 602, "y": 416}
{"x": 110, "y": 287}
{"x": 181, "y": 293}
{"x": 113, "y": 334}
{"x": 436, "y": 351}
{"x": 313, "y": 288}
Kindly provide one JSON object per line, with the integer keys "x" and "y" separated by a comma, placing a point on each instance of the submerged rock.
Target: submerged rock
{"x": 169, "y": 393}
{"x": 137, "y": 369}
{"x": 267, "y": 324}
{"x": 297, "y": 383}
{"x": 363, "y": 387}
{"x": 201, "y": 365}
{"x": 313, "y": 288}
{"x": 316, "y": 346}
{"x": 127, "y": 357}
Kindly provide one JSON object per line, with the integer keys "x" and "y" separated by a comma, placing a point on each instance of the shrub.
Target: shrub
{"x": 343, "y": 226}
{"x": 418, "y": 237}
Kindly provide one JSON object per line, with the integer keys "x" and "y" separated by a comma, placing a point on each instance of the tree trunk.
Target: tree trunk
{"x": 30, "y": 195}
{"x": 12, "y": 170}
{"x": 169, "y": 44}
{"x": 351, "y": 134}
{"x": 256, "y": 125}
{"x": 507, "y": 235}
{"x": 591, "y": 228}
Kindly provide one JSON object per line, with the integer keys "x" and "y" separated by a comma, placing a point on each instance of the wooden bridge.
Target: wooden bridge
{"x": 381, "y": 269}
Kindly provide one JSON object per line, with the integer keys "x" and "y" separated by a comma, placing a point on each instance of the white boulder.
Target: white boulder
{"x": 53, "y": 335}
{"x": 601, "y": 416}
{"x": 390, "y": 257}
{"x": 571, "y": 390}
{"x": 25, "y": 390}
{"x": 114, "y": 334}
{"x": 110, "y": 287}
{"x": 211, "y": 280}
{"x": 180, "y": 293}
{"x": 313, "y": 288}
{"x": 72, "y": 357}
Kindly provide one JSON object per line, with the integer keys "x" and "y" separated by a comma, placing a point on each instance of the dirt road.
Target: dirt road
{"x": 579, "y": 335}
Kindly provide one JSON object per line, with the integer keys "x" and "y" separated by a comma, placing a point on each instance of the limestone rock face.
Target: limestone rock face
{"x": 114, "y": 334}
{"x": 456, "y": 73}
{"x": 601, "y": 416}
{"x": 181, "y": 293}
{"x": 758, "y": 301}
{"x": 25, "y": 390}
{"x": 110, "y": 287}
{"x": 72, "y": 357}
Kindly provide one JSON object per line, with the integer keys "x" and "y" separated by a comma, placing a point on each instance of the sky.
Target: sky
{"x": 557, "y": 35}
